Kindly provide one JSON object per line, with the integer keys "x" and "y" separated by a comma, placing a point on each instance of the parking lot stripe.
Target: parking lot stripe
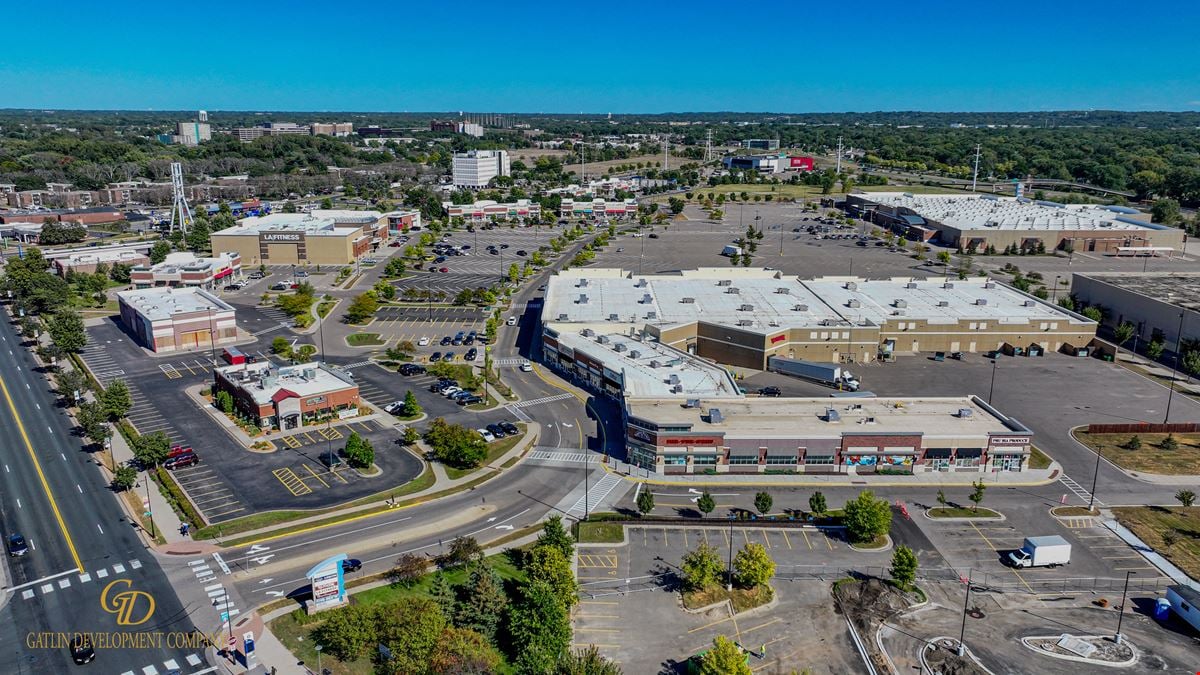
{"x": 995, "y": 550}
{"x": 766, "y": 538}
{"x": 685, "y": 541}
{"x": 762, "y": 625}
{"x": 333, "y": 470}
{"x": 786, "y": 539}
{"x": 598, "y": 602}
{"x": 597, "y": 630}
{"x": 314, "y": 475}
{"x": 705, "y": 533}
{"x": 709, "y": 625}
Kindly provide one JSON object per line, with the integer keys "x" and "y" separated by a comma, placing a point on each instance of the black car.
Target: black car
{"x": 17, "y": 545}
{"x": 446, "y": 341}
{"x": 509, "y": 428}
{"x": 468, "y": 400}
{"x": 448, "y": 357}
{"x": 351, "y": 565}
{"x": 457, "y": 342}
{"x": 412, "y": 369}
{"x": 437, "y": 387}
{"x": 471, "y": 354}
{"x": 770, "y": 391}
{"x": 493, "y": 251}
{"x": 653, "y": 235}
{"x": 437, "y": 356}
{"x": 81, "y": 649}
{"x": 495, "y": 430}
{"x": 503, "y": 245}
{"x": 521, "y": 252}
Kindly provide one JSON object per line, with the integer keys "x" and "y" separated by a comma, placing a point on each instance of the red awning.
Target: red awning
{"x": 283, "y": 394}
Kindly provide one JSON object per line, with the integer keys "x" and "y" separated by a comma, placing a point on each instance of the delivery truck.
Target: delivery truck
{"x": 829, "y": 374}
{"x": 730, "y": 250}
{"x": 1048, "y": 551}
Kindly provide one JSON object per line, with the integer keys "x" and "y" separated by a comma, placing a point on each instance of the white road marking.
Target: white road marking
{"x": 171, "y": 664}
{"x": 84, "y": 578}
{"x": 99, "y": 528}
{"x": 119, "y": 568}
{"x": 101, "y": 573}
{"x": 135, "y": 564}
{"x": 47, "y": 588}
{"x": 193, "y": 660}
{"x": 64, "y": 583}
{"x": 79, "y": 488}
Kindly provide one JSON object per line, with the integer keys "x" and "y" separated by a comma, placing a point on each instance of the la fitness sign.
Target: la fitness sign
{"x": 281, "y": 237}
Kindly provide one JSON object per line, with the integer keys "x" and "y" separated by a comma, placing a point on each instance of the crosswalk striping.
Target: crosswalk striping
{"x": 508, "y": 362}
{"x": 539, "y": 401}
{"x": 518, "y": 413}
{"x": 172, "y": 666}
{"x": 360, "y": 364}
{"x": 1078, "y": 490}
{"x": 81, "y": 579}
{"x": 564, "y": 456}
{"x": 594, "y": 496}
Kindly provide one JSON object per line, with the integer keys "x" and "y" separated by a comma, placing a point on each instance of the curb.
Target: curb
{"x": 1135, "y": 655}
{"x": 999, "y": 517}
{"x": 882, "y": 549}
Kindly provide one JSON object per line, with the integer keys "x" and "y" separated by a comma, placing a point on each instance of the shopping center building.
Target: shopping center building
{"x": 288, "y": 397}
{"x": 322, "y": 237}
{"x": 168, "y": 320}
{"x": 188, "y": 270}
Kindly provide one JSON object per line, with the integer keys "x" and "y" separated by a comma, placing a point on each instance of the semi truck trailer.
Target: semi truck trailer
{"x": 829, "y": 374}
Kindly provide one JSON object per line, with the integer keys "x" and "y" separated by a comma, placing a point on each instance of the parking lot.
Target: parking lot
{"x": 294, "y": 475}
{"x": 629, "y": 606}
{"x": 414, "y": 322}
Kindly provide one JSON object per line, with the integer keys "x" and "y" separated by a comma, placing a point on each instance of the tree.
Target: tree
{"x": 1067, "y": 303}
{"x": 1134, "y": 443}
{"x": 645, "y": 502}
{"x": 554, "y": 534}
{"x": 943, "y": 257}
{"x": 463, "y": 550}
{"x": 93, "y": 421}
{"x": 1186, "y": 497}
{"x": 1155, "y": 349}
{"x": 407, "y": 569}
{"x": 411, "y": 407}
{"x": 548, "y": 564}
{"x": 753, "y": 566}
{"x": 904, "y": 567}
{"x": 1093, "y": 313}
{"x": 701, "y": 567}
{"x": 460, "y": 651}
{"x": 1191, "y": 362}
{"x": 359, "y": 451}
{"x": 725, "y": 657}
{"x": 411, "y": 629}
{"x": 481, "y": 602}
{"x": 514, "y": 273}
{"x": 197, "y": 236}
{"x": 410, "y": 436}
{"x": 282, "y": 347}
{"x": 1164, "y": 210}
{"x": 159, "y": 251}
{"x": 763, "y": 502}
{"x": 68, "y": 383}
{"x": 816, "y": 504}
{"x": 867, "y": 518}
{"x": 347, "y": 632}
{"x": 976, "y": 495}
{"x": 1122, "y": 334}
{"x": 705, "y": 503}
{"x": 540, "y": 625}
{"x": 151, "y": 449}
{"x": 1169, "y": 443}
{"x": 116, "y": 400}
{"x": 941, "y": 497}
{"x": 362, "y": 308}
{"x": 124, "y": 478}
{"x": 455, "y": 445}
{"x": 67, "y": 332}
{"x": 586, "y": 662}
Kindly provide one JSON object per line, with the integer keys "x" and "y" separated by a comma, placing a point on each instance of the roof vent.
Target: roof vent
{"x": 831, "y": 415}
{"x": 677, "y": 389}
{"x": 981, "y": 301}
{"x": 634, "y": 354}
{"x": 1030, "y": 303}
{"x": 898, "y": 312}
{"x": 582, "y": 299}
{"x": 603, "y": 339}
{"x": 745, "y": 322}
{"x": 692, "y": 403}
{"x": 673, "y": 379}
{"x": 647, "y": 299}
{"x": 641, "y": 283}
{"x": 943, "y": 303}
{"x": 724, "y": 282}
{"x": 619, "y": 347}
{"x": 652, "y": 315}
{"x": 783, "y": 291}
{"x": 901, "y": 304}
{"x": 989, "y": 284}
{"x": 613, "y": 317}
{"x": 800, "y": 308}
{"x": 715, "y": 416}
{"x": 963, "y": 412}
{"x": 947, "y": 285}
{"x": 582, "y": 283}
{"x": 746, "y": 308}
{"x": 911, "y": 284}
{"x": 732, "y": 290}
{"x": 851, "y": 286}
{"x": 854, "y": 304}
{"x": 655, "y": 363}
{"x": 688, "y": 301}
{"x": 587, "y": 332}
{"x": 563, "y": 317}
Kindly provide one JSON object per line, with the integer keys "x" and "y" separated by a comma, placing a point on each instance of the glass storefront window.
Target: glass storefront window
{"x": 743, "y": 459}
{"x": 819, "y": 459}
{"x": 704, "y": 459}
{"x": 783, "y": 459}
{"x": 675, "y": 459}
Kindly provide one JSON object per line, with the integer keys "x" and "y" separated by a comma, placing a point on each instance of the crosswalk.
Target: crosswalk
{"x": 594, "y": 496}
{"x": 540, "y": 401}
{"x": 104, "y": 366}
{"x": 518, "y": 413}
{"x": 64, "y": 581}
{"x": 508, "y": 362}
{"x": 359, "y": 364}
{"x": 1078, "y": 490}
{"x": 556, "y": 456}
{"x": 171, "y": 666}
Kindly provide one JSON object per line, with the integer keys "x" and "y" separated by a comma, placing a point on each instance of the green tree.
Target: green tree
{"x": 1169, "y": 443}
{"x": 159, "y": 251}
{"x": 705, "y": 503}
{"x": 362, "y": 308}
{"x": 124, "y": 478}
{"x": 481, "y": 602}
{"x": 347, "y": 632}
{"x": 701, "y": 567}
{"x": 763, "y": 502}
{"x": 554, "y": 534}
{"x": 1134, "y": 443}
{"x": 816, "y": 504}
{"x": 408, "y": 569}
{"x": 151, "y": 449}
{"x": 305, "y": 353}
{"x": 282, "y": 347}
{"x": 411, "y": 629}
{"x": 725, "y": 657}
{"x": 455, "y": 445}
{"x": 514, "y": 273}
{"x": 1186, "y": 497}
{"x": 943, "y": 257}
{"x": 1093, "y": 313}
{"x": 411, "y": 407}
{"x": 462, "y": 551}
{"x": 1067, "y": 303}
{"x": 904, "y": 567}
{"x": 976, "y": 495}
{"x": 941, "y": 497}
{"x": 1191, "y": 362}
{"x": 68, "y": 383}
{"x": 586, "y": 661}
{"x": 359, "y": 451}
{"x": 867, "y": 518}
{"x": 1155, "y": 349}
{"x": 67, "y": 332}
{"x": 1164, "y": 210}
{"x": 541, "y": 626}
{"x": 116, "y": 400}
{"x": 548, "y": 564}
{"x": 93, "y": 420}
{"x": 411, "y": 436}
{"x": 197, "y": 236}
{"x": 753, "y": 566}
{"x": 462, "y": 650}
{"x": 645, "y": 502}
{"x": 1122, "y": 334}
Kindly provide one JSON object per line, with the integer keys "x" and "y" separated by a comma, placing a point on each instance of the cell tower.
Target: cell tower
{"x": 181, "y": 213}
{"x": 975, "y": 176}
{"x": 666, "y": 152}
{"x": 708, "y": 151}
{"x": 839, "y": 156}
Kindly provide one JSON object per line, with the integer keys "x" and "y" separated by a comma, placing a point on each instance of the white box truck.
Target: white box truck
{"x": 731, "y": 250}
{"x": 1048, "y": 551}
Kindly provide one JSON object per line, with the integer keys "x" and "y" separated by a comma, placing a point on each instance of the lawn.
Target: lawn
{"x": 324, "y": 307}
{"x": 1150, "y": 522}
{"x": 742, "y": 598}
{"x": 601, "y": 533}
{"x": 295, "y": 630}
{"x": 961, "y": 512}
{"x": 782, "y": 190}
{"x": 1150, "y": 457}
{"x": 495, "y": 450}
{"x": 364, "y": 340}
{"x": 1038, "y": 459}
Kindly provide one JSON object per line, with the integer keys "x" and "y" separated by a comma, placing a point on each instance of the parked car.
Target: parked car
{"x": 17, "y": 545}
{"x": 351, "y": 565}
{"x": 181, "y": 461}
{"x": 444, "y": 269}
{"x": 487, "y": 435}
{"x": 393, "y": 407}
{"x": 257, "y": 275}
{"x": 460, "y": 395}
{"x": 446, "y": 341}
{"x": 654, "y": 235}
{"x": 521, "y": 252}
{"x": 460, "y": 335}
{"x": 469, "y": 400}
{"x": 471, "y": 354}
{"x": 369, "y": 261}
{"x": 412, "y": 369}
{"x": 503, "y": 245}
{"x": 526, "y": 367}
{"x": 301, "y": 273}
{"x": 450, "y": 391}
{"x": 510, "y": 428}
{"x": 496, "y": 430}
{"x": 423, "y": 342}
{"x": 280, "y": 286}
{"x": 437, "y": 356}
{"x": 770, "y": 391}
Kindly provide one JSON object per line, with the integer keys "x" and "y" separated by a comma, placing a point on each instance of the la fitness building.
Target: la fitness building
{"x": 853, "y": 436}
{"x": 322, "y": 237}
{"x": 167, "y": 320}
{"x": 288, "y": 397}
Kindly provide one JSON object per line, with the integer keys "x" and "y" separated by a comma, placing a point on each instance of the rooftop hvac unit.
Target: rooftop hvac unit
{"x": 652, "y": 315}
{"x": 898, "y": 312}
{"x": 647, "y": 299}
{"x": 634, "y": 354}
{"x": 582, "y": 299}
{"x": 774, "y": 323}
{"x": 989, "y": 284}
{"x": 901, "y": 304}
{"x": 832, "y": 415}
{"x": 655, "y": 363}
{"x": 582, "y": 283}
{"x": 641, "y": 283}
{"x": 715, "y": 416}
{"x": 745, "y": 322}
{"x": 563, "y": 317}
{"x": 746, "y": 308}
{"x": 963, "y": 412}
{"x": 854, "y": 304}
{"x": 613, "y": 317}
{"x": 619, "y": 347}
{"x": 783, "y": 291}
{"x": 587, "y": 332}
{"x": 604, "y": 339}
{"x": 688, "y": 301}
{"x": 947, "y": 285}
{"x": 911, "y": 284}
{"x": 800, "y": 308}
{"x": 692, "y": 403}
{"x": 851, "y": 286}
{"x": 1030, "y": 303}
{"x": 677, "y": 389}
{"x": 673, "y": 379}
{"x": 981, "y": 301}
{"x": 732, "y": 290}
{"x": 724, "y": 282}
{"x": 943, "y": 303}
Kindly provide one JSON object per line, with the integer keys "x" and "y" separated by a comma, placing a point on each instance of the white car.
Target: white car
{"x": 512, "y": 321}
{"x": 393, "y": 407}
{"x": 487, "y": 435}
{"x": 450, "y": 391}
{"x": 423, "y": 342}
{"x": 526, "y": 367}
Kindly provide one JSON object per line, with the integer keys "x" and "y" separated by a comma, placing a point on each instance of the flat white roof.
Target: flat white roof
{"x": 991, "y": 212}
{"x": 262, "y": 380}
{"x": 348, "y": 216}
{"x": 88, "y": 257}
{"x": 159, "y": 304}
{"x": 188, "y": 261}
{"x": 649, "y": 368}
{"x": 305, "y": 223}
{"x": 764, "y": 301}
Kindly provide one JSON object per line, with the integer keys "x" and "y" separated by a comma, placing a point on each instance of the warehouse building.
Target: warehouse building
{"x": 742, "y": 317}
{"x": 974, "y": 222}
{"x": 187, "y": 270}
{"x": 323, "y": 237}
{"x": 824, "y": 436}
{"x": 1162, "y": 304}
{"x": 288, "y": 397}
{"x": 168, "y": 320}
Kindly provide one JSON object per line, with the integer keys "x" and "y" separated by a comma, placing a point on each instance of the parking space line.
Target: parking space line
{"x": 311, "y": 440}
{"x": 786, "y": 539}
{"x": 291, "y": 481}
{"x": 710, "y": 625}
{"x": 766, "y": 539}
{"x": 314, "y": 475}
{"x": 995, "y": 550}
{"x": 762, "y": 625}
{"x": 190, "y": 371}
{"x": 333, "y": 470}
{"x": 806, "y": 539}
{"x": 290, "y": 442}
{"x": 828, "y": 541}
{"x": 665, "y": 541}
{"x": 685, "y": 541}
{"x": 598, "y": 602}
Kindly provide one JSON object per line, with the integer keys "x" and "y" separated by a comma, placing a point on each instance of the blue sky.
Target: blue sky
{"x": 598, "y": 57}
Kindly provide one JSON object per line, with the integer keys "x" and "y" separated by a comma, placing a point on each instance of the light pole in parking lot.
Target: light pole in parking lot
{"x": 1121, "y": 614}
{"x": 992, "y": 386}
{"x": 962, "y": 632}
{"x": 1175, "y": 366}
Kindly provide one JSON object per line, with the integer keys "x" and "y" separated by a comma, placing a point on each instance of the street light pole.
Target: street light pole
{"x": 992, "y": 386}
{"x": 149, "y": 506}
{"x": 1118, "y": 638}
{"x": 962, "y": 646}
{"x": 1095, "y": 476}
{"x": 729, "y": 567}
{"x": 1175, "y": 366}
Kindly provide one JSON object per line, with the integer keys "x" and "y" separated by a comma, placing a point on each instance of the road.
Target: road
{"x": 52, "y": 493}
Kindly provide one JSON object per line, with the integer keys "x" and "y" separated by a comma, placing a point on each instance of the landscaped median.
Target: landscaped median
{"x": 1166, "y": 454}
{"x": 1172, "y": 532}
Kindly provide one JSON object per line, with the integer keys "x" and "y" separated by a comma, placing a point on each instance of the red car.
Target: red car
{"x": 177, "y": 450}
{"x": 444, "y": 269}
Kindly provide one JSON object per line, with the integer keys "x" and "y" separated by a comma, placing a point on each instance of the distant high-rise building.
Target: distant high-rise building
{"x": 202, "y": 115}
{"x": 761, "y": 143}
{"x": 476, "y": 168}
{"x": 332, "y": 128}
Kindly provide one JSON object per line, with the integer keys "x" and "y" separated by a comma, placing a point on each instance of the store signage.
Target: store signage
{"x": 1009, "y": 441}
{"x": 778, "y": 338}
{"x": 281, "y": 237}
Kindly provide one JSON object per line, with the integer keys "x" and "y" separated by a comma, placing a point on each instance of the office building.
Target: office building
{"x": 975, "y": 222}
{"x": 338, "y": 129}
{"x": 187, "y": 270}
{"x": 475, "y": 169}
{"x": 761, "y": 143}
{"x": 288, "y": 397}
{"x": 322, "y": 237}
{"x": 168, "y": 320}
{"x": 247, "y": 134}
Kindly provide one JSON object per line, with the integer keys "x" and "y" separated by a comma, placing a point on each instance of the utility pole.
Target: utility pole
{"x": 666, "y": 152}
{"x": 839, "y": 156}
{"x": 975, "y": 176}
{"x": 708, "y": 151}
